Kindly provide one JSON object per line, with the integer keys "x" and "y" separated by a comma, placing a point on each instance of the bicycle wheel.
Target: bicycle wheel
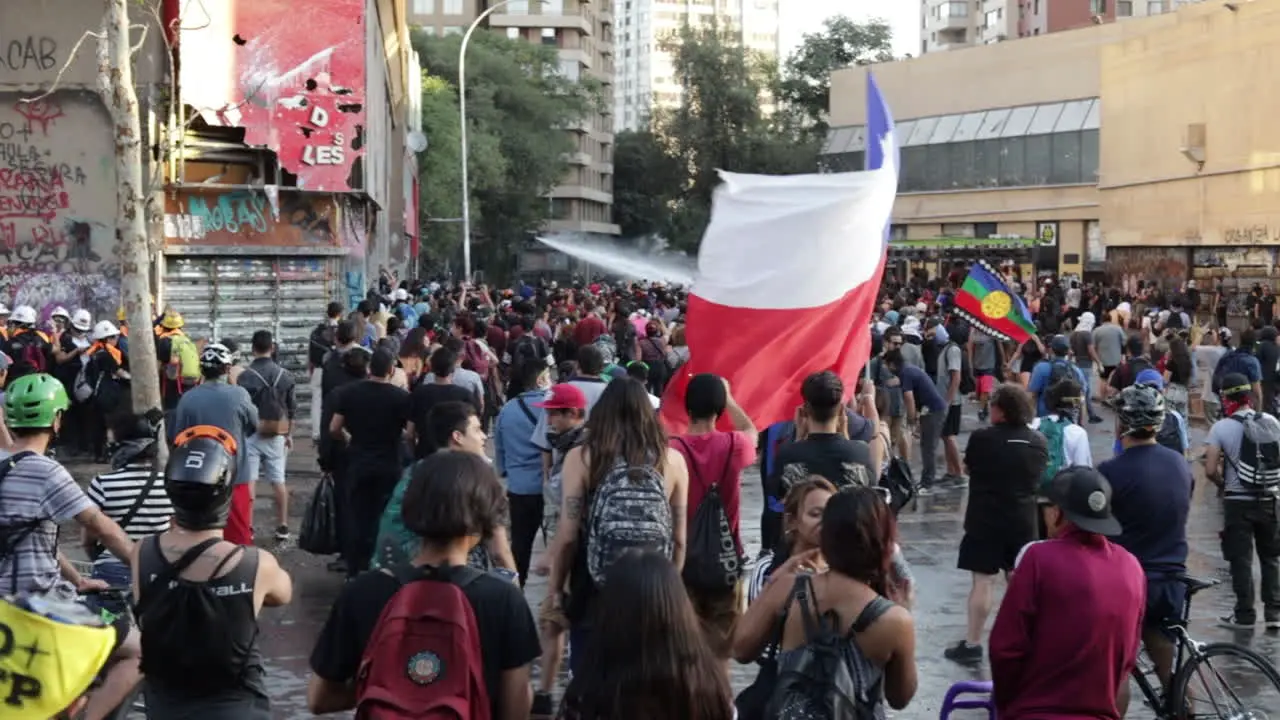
{"x": 1228, "y": 682}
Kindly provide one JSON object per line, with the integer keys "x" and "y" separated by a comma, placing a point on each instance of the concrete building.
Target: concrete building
{"x": 1138, "y": 150}
{"x": 582, "y": 33}
{"x": 956, "y": 24}
{"x": 645, "y": 77}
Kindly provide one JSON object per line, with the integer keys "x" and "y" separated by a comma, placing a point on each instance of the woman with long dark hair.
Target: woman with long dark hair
{"x": 657, "y": 664}
{"x": 848, "y": 575}
{"x": 1178, "y": 367}
{"x": 622, "y": 432}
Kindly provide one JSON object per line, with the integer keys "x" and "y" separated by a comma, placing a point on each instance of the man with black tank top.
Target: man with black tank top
{"x": 190, "y": 566}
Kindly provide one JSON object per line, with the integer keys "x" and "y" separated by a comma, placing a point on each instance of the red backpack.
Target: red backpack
{"x": 475, "y": 359}
{"x": 423, "y": 657}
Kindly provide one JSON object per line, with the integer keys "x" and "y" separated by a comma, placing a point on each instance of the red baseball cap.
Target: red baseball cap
{"x": 564, "y": 397}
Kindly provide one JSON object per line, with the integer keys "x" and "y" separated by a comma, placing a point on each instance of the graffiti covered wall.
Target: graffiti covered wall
{"x": 295, "y": 84}
{"x": 251, "y": 218}
{"x": 57, "y": 204}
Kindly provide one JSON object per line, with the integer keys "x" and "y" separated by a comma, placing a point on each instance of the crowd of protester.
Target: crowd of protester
{"x": 416, "y": 388}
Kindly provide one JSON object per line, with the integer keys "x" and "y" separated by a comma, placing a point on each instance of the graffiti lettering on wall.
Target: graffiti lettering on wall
{"x": 1251, "y": 235}
{"x": 30, "y": 52}
{"x": 49, "y": 255}
{"x": 246, "y": 217}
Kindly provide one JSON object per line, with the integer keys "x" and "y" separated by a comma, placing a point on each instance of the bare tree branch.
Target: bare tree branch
{"x": 141, "y": 40}
{"x": 57, "y": 79}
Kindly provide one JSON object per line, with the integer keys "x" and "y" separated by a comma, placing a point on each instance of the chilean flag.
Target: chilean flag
{"x": 788, "y": 274}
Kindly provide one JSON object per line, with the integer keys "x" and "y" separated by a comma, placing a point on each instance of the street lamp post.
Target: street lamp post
{"x": 462, "y": 112}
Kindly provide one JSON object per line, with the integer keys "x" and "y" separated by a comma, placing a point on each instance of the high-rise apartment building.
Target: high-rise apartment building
{"x": 581, "y": 31}
{"x": 954, "y": 24}
{"x": 645, "y": 77}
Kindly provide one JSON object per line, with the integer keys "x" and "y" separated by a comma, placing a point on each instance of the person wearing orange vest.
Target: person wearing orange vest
{"x": 31, "y": 349}
{"x": 4, "y": 321}
{"x": 108, "y": 375}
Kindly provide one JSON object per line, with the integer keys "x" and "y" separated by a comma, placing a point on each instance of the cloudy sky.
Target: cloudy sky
{"x": 802, "y": 16}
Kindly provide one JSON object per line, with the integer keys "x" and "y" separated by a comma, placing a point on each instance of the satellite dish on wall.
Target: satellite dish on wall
{"x": 416, "y": 141}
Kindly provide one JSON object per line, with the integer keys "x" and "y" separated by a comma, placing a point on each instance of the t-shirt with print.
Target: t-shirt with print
{"x": 707, "y": 456}
{"x": 36, "y": 488}
{"x": 374, "y": 413}
{"x": 117, "y": 492}
{"x": 508, "y": 634}
{"x": 841, "y": 461}
{"x": 949, "y": 360}
{"x": 425, "y": 397}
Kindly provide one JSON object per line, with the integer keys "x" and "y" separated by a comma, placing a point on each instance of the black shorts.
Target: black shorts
{"x": 121, "y": 625}
{"x": 1165, "y": 600}
{"x": 990, "y": 554}
{"x": 951, "y": 424}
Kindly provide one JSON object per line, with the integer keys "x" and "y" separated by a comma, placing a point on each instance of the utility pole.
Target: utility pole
{"x": 116, "y": 88}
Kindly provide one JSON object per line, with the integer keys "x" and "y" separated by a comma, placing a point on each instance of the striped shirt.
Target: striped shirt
{"x": 116, "y": 492}
{"x": 36, "y": 489}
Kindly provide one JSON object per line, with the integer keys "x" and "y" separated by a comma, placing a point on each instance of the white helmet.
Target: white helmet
{"x": 60, "y": 312}
{"x": 103, "y": 329}
{"x": 23, "y": 314}
{"x": 82, "y": 321}
{"x": 4, "y": 309}
{"x": 216, "y": 355}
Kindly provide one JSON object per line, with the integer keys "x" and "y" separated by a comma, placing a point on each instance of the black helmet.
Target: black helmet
{"x": 199, "y": 477}
{"x": 1141, "y": 407}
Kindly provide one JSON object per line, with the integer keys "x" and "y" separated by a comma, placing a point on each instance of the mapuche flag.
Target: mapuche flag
{"x": 986, "y": 301}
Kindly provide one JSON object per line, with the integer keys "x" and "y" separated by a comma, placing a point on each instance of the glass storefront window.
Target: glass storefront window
{"x": 1066, "y": 158}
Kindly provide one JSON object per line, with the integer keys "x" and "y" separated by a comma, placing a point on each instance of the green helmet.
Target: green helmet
{"x": 33, "y": 401}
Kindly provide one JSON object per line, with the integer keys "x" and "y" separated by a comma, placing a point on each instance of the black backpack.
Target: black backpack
{"x": 1060, "y": 370}
{"x": 1258, "y": 464}
{"x": 273, "y": 415}
{"x": 712, "y": 561}
{"x": 323, "y": 339}
{"x": 815, "y": 682}
{"x": 177, "y": 615}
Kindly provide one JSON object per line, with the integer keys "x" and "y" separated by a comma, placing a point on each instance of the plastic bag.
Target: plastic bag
{"x": 319, "y": 534}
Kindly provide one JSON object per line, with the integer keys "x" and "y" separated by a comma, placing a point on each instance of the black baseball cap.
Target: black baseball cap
{"x": 1084, "y": 496}
{"x": 1235, "y": 384}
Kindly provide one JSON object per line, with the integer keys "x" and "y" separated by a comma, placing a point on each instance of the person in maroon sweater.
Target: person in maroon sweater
{"x": 1070, "y": 626}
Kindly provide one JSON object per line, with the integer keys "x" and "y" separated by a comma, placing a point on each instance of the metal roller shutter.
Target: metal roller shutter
{"x": 232, "y": 297}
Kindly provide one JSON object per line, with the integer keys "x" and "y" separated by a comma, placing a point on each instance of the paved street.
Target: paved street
{"x": 930, "y": 534}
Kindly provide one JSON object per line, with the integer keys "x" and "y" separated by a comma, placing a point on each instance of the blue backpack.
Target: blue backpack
{"x": 1054, "y": 432}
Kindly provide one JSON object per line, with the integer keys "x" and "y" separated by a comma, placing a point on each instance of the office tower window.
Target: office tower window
{"x": 452, "y": 7}
{"x": 424, "y": 7}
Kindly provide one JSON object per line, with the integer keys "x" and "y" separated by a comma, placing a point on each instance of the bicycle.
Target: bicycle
{"x": 1194, "y": 660}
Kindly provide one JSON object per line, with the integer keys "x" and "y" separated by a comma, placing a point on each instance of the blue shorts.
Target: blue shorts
{"x": 1166, "y": 598}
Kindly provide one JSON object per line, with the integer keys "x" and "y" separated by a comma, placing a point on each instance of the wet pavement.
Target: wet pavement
{"x": 930, "y": 535}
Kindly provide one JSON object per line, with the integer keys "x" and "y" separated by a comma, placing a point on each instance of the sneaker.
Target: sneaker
{"x": 1234, "y": 621}
{"x": 983, "y": 415}
{"x": 964, "y": 653}
{"x": 924, "y": 489}
{"x": 1273, "y": 623}
{"x": 542, "y": 706}
{"x": 337, "y": 566}
{"x": 1095, "y": 420}
{"x": 282, "y": 533}
{"x": 956, "y": 481}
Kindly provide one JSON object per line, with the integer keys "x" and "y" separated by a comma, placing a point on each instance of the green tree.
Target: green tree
{"x": 805, "y": 87}
{"x": 519, "y": 110}
{"x": 645, "y": 177}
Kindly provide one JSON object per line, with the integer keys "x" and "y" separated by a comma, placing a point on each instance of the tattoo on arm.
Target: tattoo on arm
{"x": 573, "y": 508}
